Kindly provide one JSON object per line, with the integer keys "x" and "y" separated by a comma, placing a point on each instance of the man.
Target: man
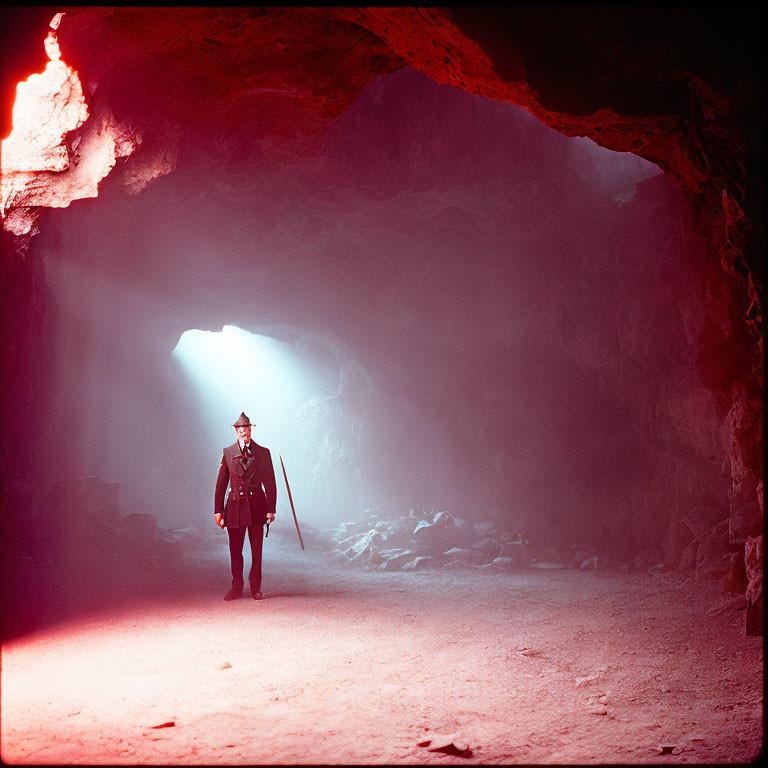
{"x": 247, "y": 468}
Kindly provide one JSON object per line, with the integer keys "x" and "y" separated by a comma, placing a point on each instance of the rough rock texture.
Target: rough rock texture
{"x": 677, "y": 87}
{"x": 44, "y": 164}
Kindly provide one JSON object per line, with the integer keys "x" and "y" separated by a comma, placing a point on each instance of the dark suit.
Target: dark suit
{"x": 252, "y": 494}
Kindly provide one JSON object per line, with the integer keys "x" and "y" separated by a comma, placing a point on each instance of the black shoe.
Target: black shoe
{"x": 257, "y": 596}
{"x": 233, "y": 594}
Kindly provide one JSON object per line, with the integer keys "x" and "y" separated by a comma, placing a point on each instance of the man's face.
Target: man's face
{"x": 243, "y": 434}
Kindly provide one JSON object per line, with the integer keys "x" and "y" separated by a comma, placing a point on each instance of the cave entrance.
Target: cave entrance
{"x": 290, "y": 389}
{"x": 234, "y": 370}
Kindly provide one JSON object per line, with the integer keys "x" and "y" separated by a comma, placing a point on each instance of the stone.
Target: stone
{"x": 443, "y": 518}
{"x": 457, "y": 553}
{"x": 447, "y": 744}
{"x": 745, "y": 522}
{"x": 397, "y": 531}
{"x": 735, "y": 604}
{"x": 678, "y": 536}
{"x": 188, "y": 538}
{"x": 488, "y": 548}
{"x": 713, "y": 553}
{"x": 365, "y": 548}
{"x": 433, "y": 538}
{"x": 504, "y": 562}
{"x": 735, "y": 577}
{"x": 137, "y": 525}
{"x": 688, "y": 555}
{"x": 753, "y": 561}
{"x": 485, "y": 529}
{"x": 345, "y": 530}
{"x": 516, "y": 550}
{"x": 703, "y": 518}
{"x": 395, "y": 562}
{"x": 418, "y": 563}
{"x": 531, "y": 653}
{"x": 353, "y": 539}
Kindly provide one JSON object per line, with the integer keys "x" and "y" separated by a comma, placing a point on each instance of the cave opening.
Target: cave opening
{"x": 286, "y": 386}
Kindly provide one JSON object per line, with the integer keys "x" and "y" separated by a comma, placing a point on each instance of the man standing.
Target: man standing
{"x": 247, "y": 468}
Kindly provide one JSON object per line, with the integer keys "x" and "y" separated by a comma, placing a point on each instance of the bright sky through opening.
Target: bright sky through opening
{"x": 234, "y": 370}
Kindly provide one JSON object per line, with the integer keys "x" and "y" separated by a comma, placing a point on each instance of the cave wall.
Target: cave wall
{"x": 477, "y": 283}
{"x": 687, "y": 102}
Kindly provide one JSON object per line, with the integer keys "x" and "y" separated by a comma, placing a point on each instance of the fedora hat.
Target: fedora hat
{"x": 242, "y": 421}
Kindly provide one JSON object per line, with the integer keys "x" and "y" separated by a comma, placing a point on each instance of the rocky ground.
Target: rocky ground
{"x": 354, "y": 665}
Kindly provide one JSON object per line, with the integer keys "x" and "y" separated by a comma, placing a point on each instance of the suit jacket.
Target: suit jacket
{"x": 252, "y": 489}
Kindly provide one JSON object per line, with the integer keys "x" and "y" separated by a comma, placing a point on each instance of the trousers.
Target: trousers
{"x": 236, "y": 540}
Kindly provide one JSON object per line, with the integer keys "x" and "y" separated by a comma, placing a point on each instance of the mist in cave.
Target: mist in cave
{"x": 458, "y": 275}
{"x": 476, "y": 344}
{"x": 437, "y": 304}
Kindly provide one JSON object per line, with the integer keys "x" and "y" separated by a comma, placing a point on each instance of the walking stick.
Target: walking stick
{"x": 290, "y": 498}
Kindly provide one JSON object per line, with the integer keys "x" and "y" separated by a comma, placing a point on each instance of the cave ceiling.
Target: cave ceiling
{"x": 678, "y": 87}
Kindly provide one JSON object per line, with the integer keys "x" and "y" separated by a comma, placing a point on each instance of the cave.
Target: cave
{"x": 484, "y": 278}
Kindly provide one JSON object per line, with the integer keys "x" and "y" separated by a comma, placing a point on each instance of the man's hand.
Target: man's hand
{"x": 219, "y": 519}
{"x": 270, "y": 517}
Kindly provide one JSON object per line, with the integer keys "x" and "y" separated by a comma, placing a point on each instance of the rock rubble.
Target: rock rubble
{"x": 384, "y": 540}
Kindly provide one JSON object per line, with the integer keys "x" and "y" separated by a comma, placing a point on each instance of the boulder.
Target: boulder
{"x": 396, "y": 562}
{"x": 433, "y": 538}
{"x": 189, "y": 539}
{"x": 349, "y": 527}
{"x": 463, "y": 555}
{"x": 366, "y": 548}
{"x": 418, "y": 563}
{"x": 444, "y": 518}
{"x": 396, "y": 531}
{"x": 735, "y": 577}
{"x": 713, "y": 554}
{"x": 688, "y": 556}
{"x": 517, "y": 551}
{"x": 744, "y": 522}
{"x": 488, "y": 548}
{"x": 678, "y": 537}
{"x": 703, "y": 518}
{"x": 137, "y": 526}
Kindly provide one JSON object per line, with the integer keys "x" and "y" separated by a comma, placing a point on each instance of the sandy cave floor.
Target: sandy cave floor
{"x": 341, "y": 665}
